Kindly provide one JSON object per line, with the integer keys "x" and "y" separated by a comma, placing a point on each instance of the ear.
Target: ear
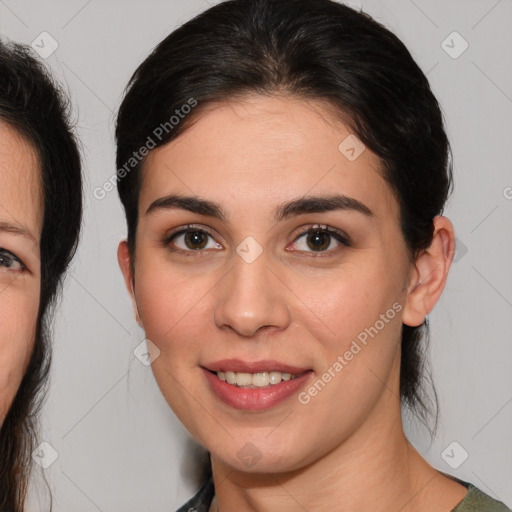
{"x": 429, "y": 273}
{"x": 124, "y": 259}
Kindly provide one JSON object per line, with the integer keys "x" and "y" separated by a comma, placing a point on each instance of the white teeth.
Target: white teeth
{"x": 243, "y": 379}
{"x": 260, "y": 379}
{"x": 255, "y": 380}
{"x": 275, "y": 377}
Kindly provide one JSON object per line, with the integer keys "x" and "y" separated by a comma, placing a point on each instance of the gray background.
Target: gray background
{"x": 119, "y": 448}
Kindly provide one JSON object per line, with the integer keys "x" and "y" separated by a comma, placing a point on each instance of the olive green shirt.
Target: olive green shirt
{"x": 474, "y": 501}
{"x": 477, "y": 501}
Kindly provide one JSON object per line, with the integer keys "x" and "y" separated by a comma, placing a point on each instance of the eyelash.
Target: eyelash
{"x": 341, "y": 237}
{"x": 8, "y": 255}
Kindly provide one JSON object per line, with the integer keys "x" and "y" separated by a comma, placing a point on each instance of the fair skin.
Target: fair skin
{"x": 20, "y": 231}
{"x": 293, "y": 304}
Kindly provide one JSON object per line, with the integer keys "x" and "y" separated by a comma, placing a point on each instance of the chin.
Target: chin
{"x": 259, "y": 455}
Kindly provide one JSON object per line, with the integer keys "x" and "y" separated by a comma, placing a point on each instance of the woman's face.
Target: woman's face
{"x": 246, "y": 290}
{"x": 20, "y": 230}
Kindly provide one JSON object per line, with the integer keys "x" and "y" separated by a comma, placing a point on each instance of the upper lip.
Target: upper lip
{"x": 238, "y": 365}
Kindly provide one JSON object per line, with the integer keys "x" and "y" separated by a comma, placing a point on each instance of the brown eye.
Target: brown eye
{"x": 196, "y": 239}
{"x": 190, "y": 239}
{"x": 318, "y": 241}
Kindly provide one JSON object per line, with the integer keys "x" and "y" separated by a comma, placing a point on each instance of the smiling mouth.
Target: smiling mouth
{"x": 254, "y": 385}
{"x": 255, "y": 380}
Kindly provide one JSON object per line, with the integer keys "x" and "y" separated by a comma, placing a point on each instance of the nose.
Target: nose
{"x": 251, "y": 298}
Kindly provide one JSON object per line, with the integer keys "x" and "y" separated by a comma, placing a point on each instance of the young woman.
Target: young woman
{"x": 40, "y": 214}
{"x": 283, "y": 167}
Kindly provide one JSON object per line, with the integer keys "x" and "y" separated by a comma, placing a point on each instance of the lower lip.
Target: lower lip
{"x": 255, "y": 399}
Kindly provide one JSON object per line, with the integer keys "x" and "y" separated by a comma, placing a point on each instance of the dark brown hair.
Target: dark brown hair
{"x": 32, "y": 103}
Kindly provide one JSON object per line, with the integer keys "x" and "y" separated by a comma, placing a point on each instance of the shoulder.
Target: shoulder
{"x": 478, "y": 501}
{"x": 202, "y": 500}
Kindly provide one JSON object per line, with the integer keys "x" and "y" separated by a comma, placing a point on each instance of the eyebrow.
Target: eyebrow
{"x": 302, "y": 205}
{"x": 16, "y": 229}
{"x": 307, "y": 204}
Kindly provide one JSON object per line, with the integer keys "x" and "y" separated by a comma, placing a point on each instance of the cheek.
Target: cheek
{"x": 172, "y": 306}
{"x": 340, "y": 306}
{"x": 18, "y": 316}
{"x": 354, "y": 320}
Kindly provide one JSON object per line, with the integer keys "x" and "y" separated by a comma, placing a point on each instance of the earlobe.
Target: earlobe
{"x": 430, "y": 273}
{"x": 124, "y": 260}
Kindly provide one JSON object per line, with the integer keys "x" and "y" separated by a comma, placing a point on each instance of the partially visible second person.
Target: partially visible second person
{"x": 40, "y": 217}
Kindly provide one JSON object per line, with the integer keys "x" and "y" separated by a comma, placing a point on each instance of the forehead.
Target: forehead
{"x": 264, "y": 150}
{"x": 20, "y": 175}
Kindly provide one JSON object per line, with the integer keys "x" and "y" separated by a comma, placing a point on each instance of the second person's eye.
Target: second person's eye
{"x": 10, "y": 261}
